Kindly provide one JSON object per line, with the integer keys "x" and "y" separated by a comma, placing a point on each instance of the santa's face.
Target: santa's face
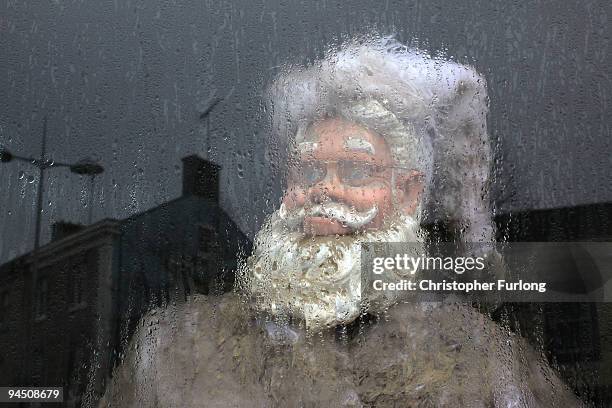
{"x": 343, "y": 179}
{"x": 344, "y": 190}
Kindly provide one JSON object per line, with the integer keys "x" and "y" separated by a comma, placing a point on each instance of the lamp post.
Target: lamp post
{"x": 86, "y": 167}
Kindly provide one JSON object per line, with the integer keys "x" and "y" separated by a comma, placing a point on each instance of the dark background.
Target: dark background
{"x": 125, "y": 82}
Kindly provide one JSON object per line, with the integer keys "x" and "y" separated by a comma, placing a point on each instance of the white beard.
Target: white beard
{"x": 317, "y": 279}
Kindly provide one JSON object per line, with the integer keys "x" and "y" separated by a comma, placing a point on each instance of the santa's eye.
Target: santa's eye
{"x": 358, "y": 173}
{"x": 308, "y": 173}
{"x": 352, "y": 173}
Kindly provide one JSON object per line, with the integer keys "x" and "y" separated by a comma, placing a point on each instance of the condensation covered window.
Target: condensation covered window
{"x": 317, "y": 203}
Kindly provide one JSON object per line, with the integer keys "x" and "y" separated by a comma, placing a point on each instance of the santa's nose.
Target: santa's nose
{"x": 318, "y": 196}
{"x": 327, "y": 189}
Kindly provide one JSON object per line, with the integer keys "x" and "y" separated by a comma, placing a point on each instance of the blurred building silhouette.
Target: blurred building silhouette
{"x": 95, "y": 282}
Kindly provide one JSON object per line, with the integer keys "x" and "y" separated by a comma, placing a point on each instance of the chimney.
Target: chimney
{"x": 200, "y": 178}
{"x": 62, "y": 229}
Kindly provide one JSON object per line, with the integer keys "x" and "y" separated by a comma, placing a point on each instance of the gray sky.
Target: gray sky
{"x": 124, "y": 81}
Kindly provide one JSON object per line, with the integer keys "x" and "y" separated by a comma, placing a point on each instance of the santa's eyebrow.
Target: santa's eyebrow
{"x": 360, "y": 145}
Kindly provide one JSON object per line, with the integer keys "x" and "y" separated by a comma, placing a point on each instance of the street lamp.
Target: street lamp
{"x": 84, "y": 167}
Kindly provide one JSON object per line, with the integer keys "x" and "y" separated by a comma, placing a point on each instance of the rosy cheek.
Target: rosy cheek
{"x": 294, "y": 197}
{"x": 365, "y": 198}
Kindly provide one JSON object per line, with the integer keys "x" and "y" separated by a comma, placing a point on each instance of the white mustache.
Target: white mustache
{"x": 332, "y": 210}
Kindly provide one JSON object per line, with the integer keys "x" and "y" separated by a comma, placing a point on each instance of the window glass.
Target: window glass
{"x": 306, "y": 203}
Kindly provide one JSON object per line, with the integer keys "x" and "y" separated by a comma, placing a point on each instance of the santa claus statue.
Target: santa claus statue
{"x": 378, "y": 139}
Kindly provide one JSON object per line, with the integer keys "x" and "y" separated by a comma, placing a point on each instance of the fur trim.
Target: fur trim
{"x": 432, "y": 112}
